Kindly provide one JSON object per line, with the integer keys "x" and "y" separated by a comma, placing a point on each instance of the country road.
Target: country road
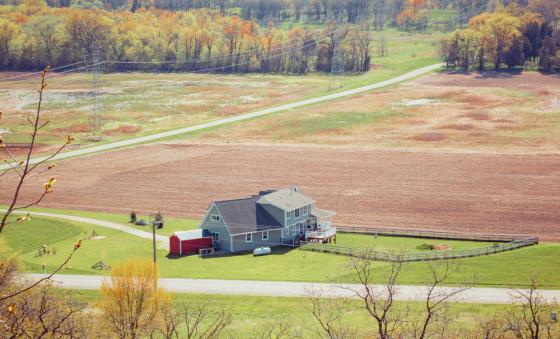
{"x": 163, "y": 241}
{"x": 246, "y": 116}
{"x": 479, "y": 295}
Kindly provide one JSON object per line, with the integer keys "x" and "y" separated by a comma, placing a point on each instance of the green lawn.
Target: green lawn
{"x": 504, "y": 269}
{"x": 401, "y": 244}
{"x": 252, "y": 313}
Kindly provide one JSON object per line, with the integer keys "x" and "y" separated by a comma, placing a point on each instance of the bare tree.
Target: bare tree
{"x": 169, "y": 321}
{"x": 23, "y": 168}
{"x": 328, "y": 314}
{"x": 202, "y": 323}
{"x": 528, "y": 318}
{"x": 437, "y": 297}
{"x": 379, "y": 301}
{"x": 276, "y": 329}
{"x": 492, "y": 328}
{"x": 36, "y": 312}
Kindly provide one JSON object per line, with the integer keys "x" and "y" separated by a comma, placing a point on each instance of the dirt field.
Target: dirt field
{"x": 516, "y": 194}
{"x": 504, "y": 113}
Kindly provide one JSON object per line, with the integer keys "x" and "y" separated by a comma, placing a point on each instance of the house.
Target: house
{"x": 187, "y": 242}
{"x": 270, "y": 218}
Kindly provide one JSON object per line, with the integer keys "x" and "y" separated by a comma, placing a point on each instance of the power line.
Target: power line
{"x": 37, "y": 73}
{"x": 225, "y": 56}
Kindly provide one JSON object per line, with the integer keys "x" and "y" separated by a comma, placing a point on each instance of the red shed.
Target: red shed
{"x": 189, "y": 241}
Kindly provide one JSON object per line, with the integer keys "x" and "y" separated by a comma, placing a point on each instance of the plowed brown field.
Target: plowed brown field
{"x": 470, "y": 192}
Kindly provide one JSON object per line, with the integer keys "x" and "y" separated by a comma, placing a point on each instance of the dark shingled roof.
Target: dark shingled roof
{"x": 245, "y": 215}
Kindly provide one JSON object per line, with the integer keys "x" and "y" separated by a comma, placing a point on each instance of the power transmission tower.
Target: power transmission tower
{"x": 337, "y": 62}
{"x": 97, "y": 108}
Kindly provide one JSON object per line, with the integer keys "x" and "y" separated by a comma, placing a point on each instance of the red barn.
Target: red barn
{"x": 186, "y": 242}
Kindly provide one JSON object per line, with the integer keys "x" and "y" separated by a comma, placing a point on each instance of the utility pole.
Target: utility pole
{"x": 337, "y": 62}
{"x": 156, "y": 220}
{"x": 97, "y": 105}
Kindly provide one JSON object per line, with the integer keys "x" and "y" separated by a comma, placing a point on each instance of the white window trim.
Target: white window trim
{"x": 263, "y": 235}
{"x": 214, "y": 217}
{"x": 297, "y": 214}
{"x": 305, "y": 210}
{"x": 289, "y": 214}
{"x": 249, "y": 237}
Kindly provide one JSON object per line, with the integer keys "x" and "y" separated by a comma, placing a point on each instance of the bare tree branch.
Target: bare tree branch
{"x": 48, "y": 277}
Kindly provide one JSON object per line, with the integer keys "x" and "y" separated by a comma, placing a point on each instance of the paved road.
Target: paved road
{"x": 259, "y": 113}
{"x": 163, "y": 241}
{"x": 292, "y": 289}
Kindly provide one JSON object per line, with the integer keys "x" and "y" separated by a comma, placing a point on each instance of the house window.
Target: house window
{"x": 249, "y": 237}
{"x": 288, "y": 214}
{"x": 265, "y": 235}
{"x": 304, "y": 210}
{"x": 296, "y": 212}
{"x": 215, "y": 237}
{"x": 214, "y": 217}
{"x": 287, "y": 230}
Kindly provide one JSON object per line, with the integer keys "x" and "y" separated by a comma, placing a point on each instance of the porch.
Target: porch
{"x": 320, "y": 229}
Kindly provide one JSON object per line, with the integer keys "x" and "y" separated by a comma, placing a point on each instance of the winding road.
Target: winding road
{"x": 162, "y": 241}
{"x": 237, "y": 118}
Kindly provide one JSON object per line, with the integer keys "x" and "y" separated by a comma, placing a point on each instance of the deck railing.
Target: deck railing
{"x": 506, "y": 243}
{"x": 323, "y": 232}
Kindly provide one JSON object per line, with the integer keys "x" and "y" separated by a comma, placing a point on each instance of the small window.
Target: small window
{"x": 214, "y": 217}
{"x": 287, "y": 230}
{"x": 249, "y": 237}
{"x": 296, "y": 212}
{"x": 215, "y": 237}
{"x": 304, "y": 210}
{"x": 265, "y": 235}
{"x": 288, "y": 214}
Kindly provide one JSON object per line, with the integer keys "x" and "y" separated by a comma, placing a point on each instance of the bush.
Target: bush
{"x": 425, "y": 247}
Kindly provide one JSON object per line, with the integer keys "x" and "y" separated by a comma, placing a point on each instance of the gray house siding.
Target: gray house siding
{"x": 302, "y": 217}
{"x": 291, "y": 222}
{"x": 240, "y": 244}
{"x": 224, "y": 237}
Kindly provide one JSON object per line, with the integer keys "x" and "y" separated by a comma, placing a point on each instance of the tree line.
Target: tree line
{"x": 33, "y": 37}
{"x": 403, "y": 14}
{"x": 513, "y": 35}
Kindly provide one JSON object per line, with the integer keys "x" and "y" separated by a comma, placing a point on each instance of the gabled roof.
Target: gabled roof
{"x": 287, "y": 199}
{"x": 192, "y": 234}
{"x": 245, "y": 215}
